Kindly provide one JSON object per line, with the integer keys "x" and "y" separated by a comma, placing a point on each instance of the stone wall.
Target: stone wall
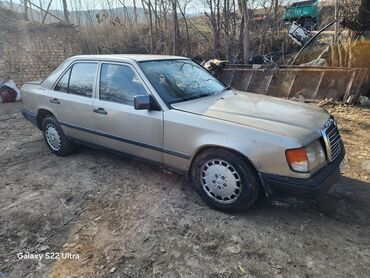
{"x": 32, "y": 51}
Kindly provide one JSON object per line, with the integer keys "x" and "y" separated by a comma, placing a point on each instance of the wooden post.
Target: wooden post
{"x": 291, "y": 86}
{"x": 268, "y": 83}
{"x": 249, "y": 81}
{"x": 318, "y": 85}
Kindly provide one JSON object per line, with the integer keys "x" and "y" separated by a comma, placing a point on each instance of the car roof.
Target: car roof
{"x": 127, "y": 57}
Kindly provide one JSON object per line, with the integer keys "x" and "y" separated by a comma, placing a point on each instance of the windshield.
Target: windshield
{"x": 180, "y": 80}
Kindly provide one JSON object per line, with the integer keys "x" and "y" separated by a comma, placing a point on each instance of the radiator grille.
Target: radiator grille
{"x": 332, "y": 140}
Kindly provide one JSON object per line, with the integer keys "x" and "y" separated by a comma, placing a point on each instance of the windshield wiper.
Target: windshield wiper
{"x": 228, "y": 88}
{"x": 195, "y": 97}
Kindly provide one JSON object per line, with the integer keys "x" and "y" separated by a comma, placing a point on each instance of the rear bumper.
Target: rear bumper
{"x": 282, "y": 187}
{"x": 30, "y": 116}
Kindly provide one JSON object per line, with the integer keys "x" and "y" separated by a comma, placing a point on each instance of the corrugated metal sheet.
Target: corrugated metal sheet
{"x": 311, "y": 83}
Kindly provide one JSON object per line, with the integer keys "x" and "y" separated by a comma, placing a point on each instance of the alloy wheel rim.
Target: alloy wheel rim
{"x": 52, "y": 137}
{"x": 221, "y": 181}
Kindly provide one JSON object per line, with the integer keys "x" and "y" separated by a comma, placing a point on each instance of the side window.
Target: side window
{"x": 119, "y": 84}
{"x": 82, "y": 79}
{"x": 62, "y": 85}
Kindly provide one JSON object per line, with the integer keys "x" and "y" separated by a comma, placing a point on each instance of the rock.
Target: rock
{"x": 193, "y": 262}
{"x": 176, "y": 254}
{"x": 40, "y": 265}
{"x": 236, "y": 239}
{"x": 157, "y": 270}
{"x": 234, "y": 249}
{"x": 43, "y": 248}
{"x": 113, "y": 269}
{"x": 172, "y": 274}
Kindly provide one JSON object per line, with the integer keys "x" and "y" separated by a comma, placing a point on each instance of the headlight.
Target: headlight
{"x": 306, "y": 159}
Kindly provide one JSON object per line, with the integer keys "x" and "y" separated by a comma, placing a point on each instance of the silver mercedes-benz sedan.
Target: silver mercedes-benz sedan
{"x": 169, "y": 110}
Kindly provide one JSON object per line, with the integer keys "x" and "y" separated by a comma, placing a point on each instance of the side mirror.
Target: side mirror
{"x": 146, "y": 102}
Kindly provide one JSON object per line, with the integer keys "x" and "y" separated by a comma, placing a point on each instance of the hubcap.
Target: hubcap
{"x": 52, "y": 137}
{"x": 221, "y": 181}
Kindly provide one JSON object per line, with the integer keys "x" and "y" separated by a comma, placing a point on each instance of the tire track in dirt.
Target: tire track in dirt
{"x": 140, "y": 222}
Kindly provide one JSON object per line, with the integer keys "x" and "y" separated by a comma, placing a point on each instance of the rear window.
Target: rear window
{"x": 53, "y": 77}
{"x": 78, "y": 80}
{"x": 62, "y": 85}
{"x": 81, "y": 81}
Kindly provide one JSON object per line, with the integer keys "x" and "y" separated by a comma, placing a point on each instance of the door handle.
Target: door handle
{"x": 100, "y": 111}
{"x": 55, "y": 101}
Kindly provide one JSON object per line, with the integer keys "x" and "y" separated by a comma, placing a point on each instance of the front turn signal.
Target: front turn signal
{"x": 297, "y": 159}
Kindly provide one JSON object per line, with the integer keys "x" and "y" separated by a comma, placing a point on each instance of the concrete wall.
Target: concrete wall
{"x": 33, "y": 51}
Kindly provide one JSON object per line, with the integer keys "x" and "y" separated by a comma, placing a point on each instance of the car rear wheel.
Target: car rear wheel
{"x": 55, "y": 138}
{"x": 224, "y": 180}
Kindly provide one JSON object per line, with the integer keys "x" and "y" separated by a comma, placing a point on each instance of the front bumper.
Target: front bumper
{"x": 282, "y": 187}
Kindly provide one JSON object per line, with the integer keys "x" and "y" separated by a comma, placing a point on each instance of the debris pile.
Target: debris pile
{"x": 9, "y": 92}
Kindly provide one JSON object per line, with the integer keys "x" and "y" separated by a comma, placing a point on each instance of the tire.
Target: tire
{"x": 224, "y": 180}
{"x": 55, "y": 138}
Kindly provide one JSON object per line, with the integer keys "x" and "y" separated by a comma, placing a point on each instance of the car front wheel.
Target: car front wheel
{"x": 54, "y": 137}
{"x": 224, "y": 180}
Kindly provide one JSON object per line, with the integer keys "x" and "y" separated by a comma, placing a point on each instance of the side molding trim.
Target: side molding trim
{"x": 129, "y": 141}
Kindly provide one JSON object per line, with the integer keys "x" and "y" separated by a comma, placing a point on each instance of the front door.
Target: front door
{"x": 117, "y": 124}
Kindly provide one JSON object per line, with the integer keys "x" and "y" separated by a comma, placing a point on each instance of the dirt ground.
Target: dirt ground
{"x": 127, "y": 219}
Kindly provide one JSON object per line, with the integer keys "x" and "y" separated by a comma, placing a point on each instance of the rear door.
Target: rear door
{"x": 117, "y": 124}
{"x": 72, "y": 100}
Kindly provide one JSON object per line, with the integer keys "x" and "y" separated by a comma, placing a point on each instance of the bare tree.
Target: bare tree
{"x": 214, "y": 17}
{"x": 25, "y": 3}
{"x": 31, "y": 11}
{"x": 175, "y": 27}
{"x": 135, "y": 10}
{"x": 184, "y": 18}
{"x": 65, "y": 10}
{"x": 46, "y": 12}
{"x": 245, "y": 28}
{"x": 226, "y": 30}
{"x": 230, "y": 28}
{"x": 364, "y": 14}
{"x": 147, "y": 5}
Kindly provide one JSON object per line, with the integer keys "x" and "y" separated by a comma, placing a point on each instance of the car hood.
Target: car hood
{"x": 284, "y": 117}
